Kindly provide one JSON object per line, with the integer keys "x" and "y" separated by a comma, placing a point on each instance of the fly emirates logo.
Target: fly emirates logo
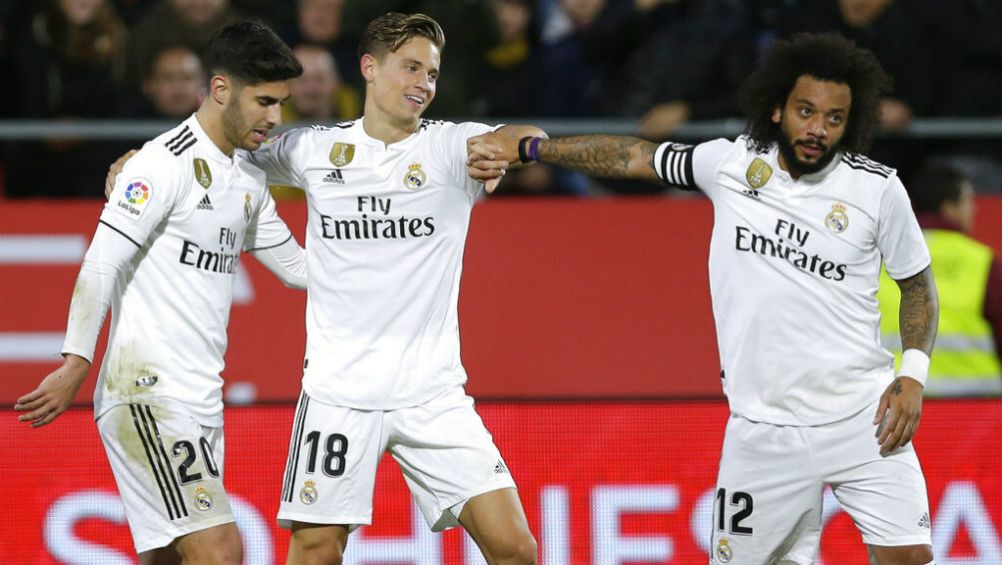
{"x": 787, "y": 243}
{"x": 374, "y": 221}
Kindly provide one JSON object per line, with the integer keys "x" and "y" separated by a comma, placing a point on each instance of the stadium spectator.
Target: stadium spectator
{"x": 319, "y": 96}
{"x": 321, "y": 23}
{"x": 67, "y": 67}
{"x": 690, "y": 70}
{"x": 173, "y": 87}
{"x": 967, "y": 50}
{"x": 969, "y": 279}
{"x": 165, "y": 253}
{"x": 802, "y": 223}
{"x": 175, "y": 22}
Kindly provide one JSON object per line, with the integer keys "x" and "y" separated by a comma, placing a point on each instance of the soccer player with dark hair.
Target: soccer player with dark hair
{"x": 802, "y": 222}
{"x": 164, "y": 257}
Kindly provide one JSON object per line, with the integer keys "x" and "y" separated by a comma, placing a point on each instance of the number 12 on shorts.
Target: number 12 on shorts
{"x": 743, "y": 503}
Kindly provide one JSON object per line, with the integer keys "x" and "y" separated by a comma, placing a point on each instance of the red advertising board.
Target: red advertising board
{"x": 561, "y": 298}
{"x": 602, "y": 482}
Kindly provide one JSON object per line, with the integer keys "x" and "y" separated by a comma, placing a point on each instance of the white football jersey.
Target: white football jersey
{"x": 385, "y": 239}
{"x": 794, "y": 268}
{"x": 190, "y": 210}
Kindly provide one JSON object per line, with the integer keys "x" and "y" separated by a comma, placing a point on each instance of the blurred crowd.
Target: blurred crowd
{"x": 661, "y": 63}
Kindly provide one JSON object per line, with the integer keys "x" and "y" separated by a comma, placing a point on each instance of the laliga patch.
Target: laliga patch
{"x": 132, "y": 202}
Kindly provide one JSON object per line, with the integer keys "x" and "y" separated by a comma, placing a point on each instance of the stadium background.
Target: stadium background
{"x": 586, "y": 322}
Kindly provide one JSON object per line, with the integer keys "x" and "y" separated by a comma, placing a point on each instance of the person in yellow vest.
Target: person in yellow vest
{"x": 969, "y": 278}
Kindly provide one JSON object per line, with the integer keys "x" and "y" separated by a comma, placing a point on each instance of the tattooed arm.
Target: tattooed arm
{"x": 599, "y": 155}
{"x": 602, "y": 155}
{"x": 901, "y": 403}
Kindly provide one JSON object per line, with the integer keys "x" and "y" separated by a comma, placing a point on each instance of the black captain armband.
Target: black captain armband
{"x": 528, "y": 149}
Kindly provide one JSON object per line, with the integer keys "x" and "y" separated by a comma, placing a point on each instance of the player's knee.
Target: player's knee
{"x": 216, "y": 546}
{"x": 315, "y": 552}
{"x": 518, "y": 550}
{"x": 903, "y": 555}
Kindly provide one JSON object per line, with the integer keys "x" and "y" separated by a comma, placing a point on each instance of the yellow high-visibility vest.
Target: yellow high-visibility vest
{"x": 964, "y": 360}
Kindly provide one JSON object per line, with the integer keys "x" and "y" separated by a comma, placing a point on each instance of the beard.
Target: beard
{"x": 234, "y": 125}
{"x": 799, "y": 166}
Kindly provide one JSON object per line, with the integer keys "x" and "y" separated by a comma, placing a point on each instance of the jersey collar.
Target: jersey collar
{"x": 207, "y": 147}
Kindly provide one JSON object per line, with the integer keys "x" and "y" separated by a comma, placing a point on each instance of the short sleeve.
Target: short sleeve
{"x": 454, "y": 151}
{"x": 899, "y": 237}
{"x": 280, "y": 157}
{"x": 145, "y": 193}
{"x": 690, "y": 167}
{"x": 268, "y": 230}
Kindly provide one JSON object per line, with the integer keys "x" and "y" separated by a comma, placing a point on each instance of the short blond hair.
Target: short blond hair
{"x": 388, "y": 32}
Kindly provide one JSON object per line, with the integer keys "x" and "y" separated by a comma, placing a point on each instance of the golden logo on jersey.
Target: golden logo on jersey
{"x": 202, "y": 173}
{"x": 415, "y": 177}
{"x": 758, "y": 173}
{"x": 247, "y": 207}
{"x": 342, "y": 153}
{"x": 308, "y": 494}
{"x": 837, "y": 220}
{"x": 203, "y": 500}
{"x": 724, "y": 551}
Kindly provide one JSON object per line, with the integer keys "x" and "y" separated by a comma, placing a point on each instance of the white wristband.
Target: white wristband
{"x": 915, "y": 364}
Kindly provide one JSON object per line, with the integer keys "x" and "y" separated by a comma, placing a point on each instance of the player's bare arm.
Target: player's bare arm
{"x": 901, "y": 403}
{"x": 55, "y": 393}
{"x": 602, "y": 155}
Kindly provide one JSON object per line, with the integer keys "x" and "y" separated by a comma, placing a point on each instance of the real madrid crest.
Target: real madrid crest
{"x": 837, "y": 220}
{"x": 342, "y": 153}
{"x": 247, "y": 207}
{"x": 415, "y": 177}
{"x": 203, "y": 500}
{"x": 202, "y": 173}
{"x": 724, "y": 551}
{"x": 758, "y": 173}
{"x": 308, "y": 494}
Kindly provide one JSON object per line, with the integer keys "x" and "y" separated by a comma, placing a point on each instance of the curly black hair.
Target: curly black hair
{"x": 824, "y": 56}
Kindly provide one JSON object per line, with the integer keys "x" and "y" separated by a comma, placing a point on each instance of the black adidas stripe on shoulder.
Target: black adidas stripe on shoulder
{"x": 673, "y": 163}
{"x": 861, "y": 163}
{"x": 182, "y": 141}
{"x": 426, "y": 122}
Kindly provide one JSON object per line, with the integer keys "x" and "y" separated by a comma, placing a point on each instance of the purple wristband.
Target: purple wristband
{"x": 533, "y": 152}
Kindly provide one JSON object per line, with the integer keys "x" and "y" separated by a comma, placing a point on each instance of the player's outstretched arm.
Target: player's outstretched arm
{"x": 901, "y": 403}
{"x": 55, "y": 393}
{"x": 612, "y": 156}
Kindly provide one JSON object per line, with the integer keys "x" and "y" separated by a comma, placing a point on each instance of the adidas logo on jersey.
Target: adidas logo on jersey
{"x": 924, "y": 521}
{"x": 205, "y": 204}
{"x": 335, "y": 177}
{"x": 500, "y": 468}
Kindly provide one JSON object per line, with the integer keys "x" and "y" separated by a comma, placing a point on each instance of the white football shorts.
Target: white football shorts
{"x": 169, "y": 471}
{"x": 770, "y": 487}
{"x": 446, "y": 454}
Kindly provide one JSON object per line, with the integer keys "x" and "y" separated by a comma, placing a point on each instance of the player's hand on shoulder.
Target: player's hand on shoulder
{"x": 54, "y": 394}
{"x": 114, "y": 169}
{"x": 898, "y": 413}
